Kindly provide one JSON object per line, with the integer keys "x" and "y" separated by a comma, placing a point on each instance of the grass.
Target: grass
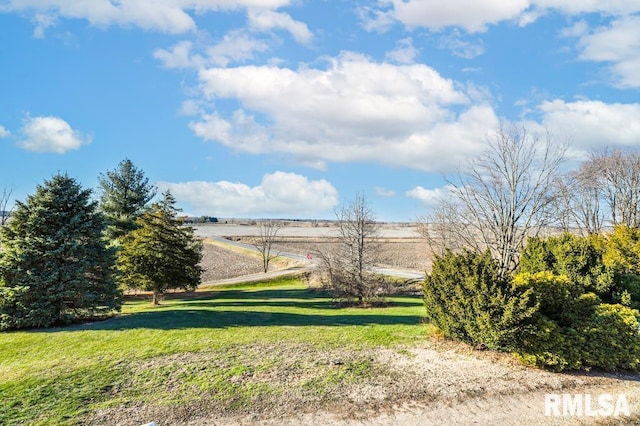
{"x": 230, "y": 346}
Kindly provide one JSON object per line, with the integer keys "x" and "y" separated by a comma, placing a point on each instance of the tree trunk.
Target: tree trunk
{"x": 155, "y": 298}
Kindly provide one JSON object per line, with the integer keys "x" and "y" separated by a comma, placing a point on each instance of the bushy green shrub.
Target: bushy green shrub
{"x": 579, "y": 258}
{"x": 468, "y": 300}
{"x": 574, "y": 330}
{"x": 622, "y": 255}
{"x": 603, "y": 265}
{"x": 547, "y": 320}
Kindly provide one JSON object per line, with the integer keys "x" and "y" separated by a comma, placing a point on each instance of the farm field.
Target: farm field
{"x": 400, "y": 245}
{"x": 273, "y": 353}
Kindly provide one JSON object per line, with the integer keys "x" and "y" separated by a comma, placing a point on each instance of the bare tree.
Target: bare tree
{"x": 619, "y": 176}
{"x": 581, "y": 195}
{"x": 347, "y": 271}
{"x": 5, "y": 209}
{"x": 439, "y": 228}
{"x": 504, "y": 196}
{"x": 263, "y": 242}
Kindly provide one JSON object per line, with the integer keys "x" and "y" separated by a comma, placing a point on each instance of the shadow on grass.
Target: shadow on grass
{"x": 206, "y": 318}
{"x": 211, "y": 310}
{"x": 289, "y": 298}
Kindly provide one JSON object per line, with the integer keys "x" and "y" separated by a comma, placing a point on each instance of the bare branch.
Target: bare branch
{"x": 503, "y": 196}
{"x": 5, "y": 208}
{"x": 263, "y": 242}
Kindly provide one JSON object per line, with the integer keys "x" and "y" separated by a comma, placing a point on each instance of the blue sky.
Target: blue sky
{"x": 285, "y": 108}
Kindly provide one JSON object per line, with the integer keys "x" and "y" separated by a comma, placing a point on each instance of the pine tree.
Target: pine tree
{"x": 161, "y": 253}
{"x": 55, "y": 266}
{"x": 125, "y": 195}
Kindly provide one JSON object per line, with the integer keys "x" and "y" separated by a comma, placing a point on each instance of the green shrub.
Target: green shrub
{"x": 579, "y": 258}
{"x": 601, "y": 265}
{"x": 547, "y": 320}
{"x": 622, "y": 255}
{"x": 574, "y": 330}
{"x": 466, "y": 298}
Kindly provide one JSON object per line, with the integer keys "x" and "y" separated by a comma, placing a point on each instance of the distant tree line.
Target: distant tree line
{"x": 66, "y": 257}
{"x": 200, "y": 219}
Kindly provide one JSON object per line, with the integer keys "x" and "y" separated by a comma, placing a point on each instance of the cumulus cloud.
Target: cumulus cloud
{"x": 177, "y": 16}
{"x": 168, "y": 16}
{"x": 235, "y": 47}
{"x": 429, "y": 197}
{"x": 471, "y": 15}
{"x": 280, "y": 194}
{"x": 373, "y": 19}
{"x": 571, "y": 7}
{"x": 617, "y": 44}
{"x": 355, "y": 109}
{"x": 265, "y": 20}
{"x": 476, "y": 15}
{"x": 179, "y": 56}
{"x": 4, "y": 133}
{"x": 460, "y": 47}
{"x": 591, "y": 124}
{"x": 404, "y": 53}
{"x": 51, "y": 134}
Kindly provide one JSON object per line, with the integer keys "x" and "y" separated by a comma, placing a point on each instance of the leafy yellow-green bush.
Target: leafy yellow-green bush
{"x": 608, "y": 266}
{"x": 547, "y": 320}
{"x": 574, "y": 330}
{"x": 622, "y": 255}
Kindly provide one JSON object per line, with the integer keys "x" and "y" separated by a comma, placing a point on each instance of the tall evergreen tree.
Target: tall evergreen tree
{"x": 55, "y": 266}
{"x": 125, "y": 195}
{"x": 161, "y": 253}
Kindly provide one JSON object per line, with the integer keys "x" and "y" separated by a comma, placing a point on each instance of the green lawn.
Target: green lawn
{"x": 191, "y": 348}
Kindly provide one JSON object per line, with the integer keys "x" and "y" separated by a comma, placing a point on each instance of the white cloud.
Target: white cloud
{"x": 170, "y": 16}
{"x": 578, "y": 29}
{"x": 265, "y": 20}
{"x": 177, "y": 16}
{"x": 471, "y": 15}
{"x": 4, "y": 133}
{"x": 476, "y": 15}
{"x": 51, "y": 134}
{"x": 372, "y": 19}
{"x": 279, "y": 194}
{"x": 404, "y": 53}
{"x": 460, "y": 47}
{"x": 617, "y": 44}
{"x": 235, "y": 47}
{"x": 42, "y": 22}
{"x": 179, "y": 56}
{"x": 572, "y": 7}
{"x": 190, "y": 107}
{"x": 592, "y": 124}
{"x": 429, "y": 197}
{"x": 354, "y": 110}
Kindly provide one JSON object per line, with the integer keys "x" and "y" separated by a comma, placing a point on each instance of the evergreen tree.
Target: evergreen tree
{"x": 55, "y": 266}
{"x": 125, "y": 195}
{"x": 161, "y": 253}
